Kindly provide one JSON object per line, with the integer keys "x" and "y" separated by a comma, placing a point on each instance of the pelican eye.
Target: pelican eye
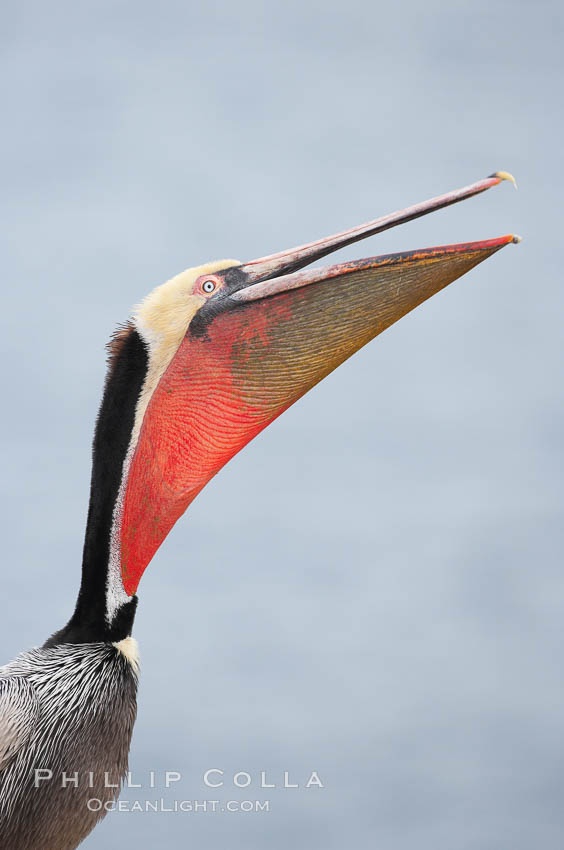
{"x": 208, "y": 286}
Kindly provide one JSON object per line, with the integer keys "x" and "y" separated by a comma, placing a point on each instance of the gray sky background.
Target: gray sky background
{"x": 373, "y": 589}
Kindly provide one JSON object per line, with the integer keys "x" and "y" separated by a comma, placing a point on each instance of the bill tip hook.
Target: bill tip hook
{"x": 505, "y": 175}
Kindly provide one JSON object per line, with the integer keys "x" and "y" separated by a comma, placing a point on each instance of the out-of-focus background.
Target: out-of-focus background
{"x": 374, "y": 588}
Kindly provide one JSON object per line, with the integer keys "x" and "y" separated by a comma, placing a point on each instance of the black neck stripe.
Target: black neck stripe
{"x": 126, "y": 374}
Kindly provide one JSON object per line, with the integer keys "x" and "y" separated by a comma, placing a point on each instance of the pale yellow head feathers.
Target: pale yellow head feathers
{"x": 163, "y": 316}
{"x": 162, "y": 320}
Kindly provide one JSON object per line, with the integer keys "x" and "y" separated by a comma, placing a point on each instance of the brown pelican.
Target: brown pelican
{"x": 208, "y": 360}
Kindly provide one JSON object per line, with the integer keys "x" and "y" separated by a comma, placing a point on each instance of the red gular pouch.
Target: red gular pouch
{"x": 264, "y": 347}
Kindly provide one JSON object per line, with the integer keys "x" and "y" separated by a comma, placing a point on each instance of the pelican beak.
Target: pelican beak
{"x": 291, "y": 326}
{"x": 286, "y": 262}
{"x": 271, "y": 332}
